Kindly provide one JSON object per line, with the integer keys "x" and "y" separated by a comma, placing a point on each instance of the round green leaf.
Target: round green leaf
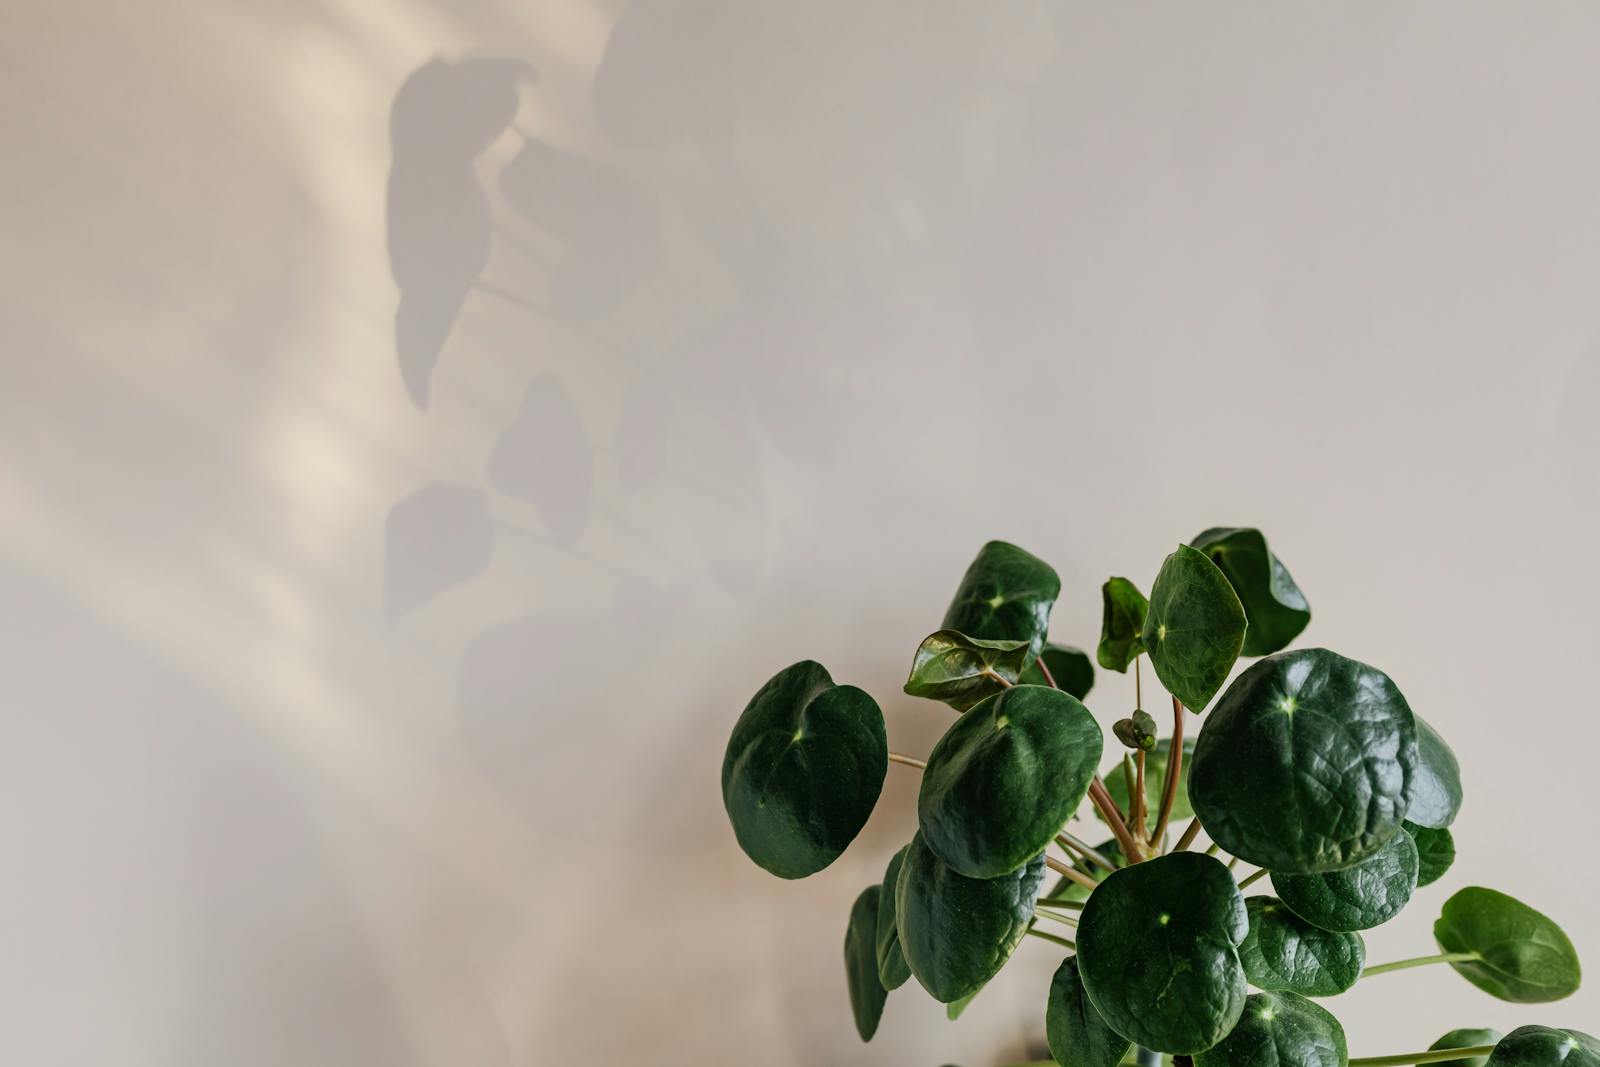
{"x": 1280, "y": 1030}
{"x": 1285, "y": 954}
{"x": 1359, "y": 897}
{"x": 1194, "y": 629}
{"x": 1077, "y": 1034}
{"x": 1436, "y": 851}
{"x": 957, "y": 932}
{"x": 803, "y": 770}
{"x": 1545, "y": 1046}
{"x": 861, "y": 963}
{"x": 1006, "y": 595}
{"x": 1005, "y": 778}
{"x": 1158, "y": 952}
{"x": 1521, "y": 956}
{"x": 1465, "y": 1039}
{"x": 1123, "y": 609}
{"x": 892, "y": 968}
{"x": 1155, "y": 776}
{"x": 1070, "y": 667}
{"x": 962, "y": 670}
{"x": 1436, "y": 794}
{"x": 1276, "y": 609}
{"x": 1306, "y": 763}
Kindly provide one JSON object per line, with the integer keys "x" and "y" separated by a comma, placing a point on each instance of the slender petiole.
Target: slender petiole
{"x": 1040, "y": 913}
{"x": 1214, "y": 849}
{"x": 909, "y": 761}
{"x": 1051, "y": 937}
{"x": 993, "y": 677}
{"x": 1419, "y": 961}
{"x": 1113, "y": 817}
{"x": 1069, "y": 872}
{"x": 1049, "y": 679}
{"x": 1169, "y": 795}
{"x": 1431, "y": 1056}
{"x": 1253, "y": 879}
{"x": 1070, "y": 905}
{"x": 1191, "y": 832}
{"x": 1076, "y": 844}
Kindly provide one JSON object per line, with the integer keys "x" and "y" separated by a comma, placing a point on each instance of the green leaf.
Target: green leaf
{"x": 1276, "y": 609}
{"x": 956, "y": 1008}
{"x": 867, "y": 994}
{"x": 1436, "y": 795}
{"x": 803, "y": 770}
{"x": 957, "y": 932}
{"x": 1070, "y": 667}
{"x": 1121, "y": 621}
{"x": 1158, "y": 952}
{"x": 1155, "y": 776}
{"x": 1006, "y": 595}
{"x": 1545, "y": 1046}
{"x": 1522, "y": 956}
{"x": 1005, "y": 778}
{"x": 1077, "y": 1035}
{"x": 1359, "y": 897}
{"x": 1194, "y": 629}
{"x": 892, "y": 968}
{"x": 1436, "y": 851}
{"x": 1280, "y": 1030}
{"x": 1285, "y": 954}
{"x": 962, "y": 670}
{"x": 1465, "y": 1039}
{"x": 1306, "y": 763}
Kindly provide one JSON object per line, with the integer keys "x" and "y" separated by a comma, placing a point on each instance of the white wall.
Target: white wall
{"x": 305, "y": 764}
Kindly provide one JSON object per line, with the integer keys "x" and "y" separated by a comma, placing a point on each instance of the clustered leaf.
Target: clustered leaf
{"x": 1273, "y": 605}
{"x": 867, "y": 994}
{"x": 1194, "y": 629}
{"x": 962, "y": 670}
{"x": 1121, "y": 622}
{"x": 1365, "y": 894}
{"x": 1006, "y": 595}
{"x": 1284, "y": 953}
{"x": 1519, "y": 954}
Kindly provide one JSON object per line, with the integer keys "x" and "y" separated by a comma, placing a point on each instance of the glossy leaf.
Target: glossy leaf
{"x": 1158, "y": 952}
{"x": 1006, "y": 595}
{"x": 1274, "y": 606}
{"x": 1359, "y": 897}
{"x": 1155, "y": 776}
{"x": 957, "y": 932}
{"x": 1545, "y": 1046}
{"x": 1070, "y": 667}
{"x": 1194, "y": 629}
{"x": 1280, "y": 1030}
{"x": 1306, "y": 763}
{"x": 1005, "y": 778}
{"x": 1077, "y": 1034}
{"x": 1436, "y": 795}
{"x": 956, "y": 1008}
{"x": 1522, "y": 956}
{"x": 867, "y": 994}
{"x": 892, "y": 968}
{"x": 1284, "y": 953}
{"x": 962, "y": 670}
{"x": 1465, "y": 1039}
{"x": 1122, "y": 614}
{"x": 803, "y": 770}
{"x": 1436, "y": 851}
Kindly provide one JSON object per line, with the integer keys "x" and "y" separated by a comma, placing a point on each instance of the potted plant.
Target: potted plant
{"x": 1310, "y": 769}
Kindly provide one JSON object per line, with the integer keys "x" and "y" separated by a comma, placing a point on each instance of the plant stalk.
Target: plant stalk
{"x": 1113, "y": 817}
{"x": 1419, "y": 961}
{"x": 1049, "y": 679}
{"x": 1431, "y": 1056}
{"x": 1070, "y": 873}
{"x": 909, "y": 761}
{"x": 1070, "y": 905}
{"x": 1169, "y": 795}
{"x": 1191, "y": 832}
{"x": 1253, "y": 879}
{"x": 1140, "y": 816}
{"x": 1051, "y": 937}
{"x": 1068, "y": 841}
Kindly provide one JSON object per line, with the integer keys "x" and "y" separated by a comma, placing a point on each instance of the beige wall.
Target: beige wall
{"x": 307, "y": 763}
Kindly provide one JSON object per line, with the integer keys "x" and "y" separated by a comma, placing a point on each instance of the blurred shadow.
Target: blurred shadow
{"x": 544, "y": 458}
{"x": 437, "y": 537}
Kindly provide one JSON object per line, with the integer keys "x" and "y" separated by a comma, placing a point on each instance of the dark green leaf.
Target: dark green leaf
{"x": 804, "y": 767}
{"x": 1306, "y": 763}
{"x": 957, "y": 932}
{"x": 861, "y": 963}
{"x": 1522, "y": 956}
{"x": 1465, "y": 1039}
{"x": 1006, "y": 595}
{"x": 1005, "y": 778}
{"x": 1280, "y": 1030}
{"x": 1078, "y": 1036}
{"x": 1070, "y": 667}
{"x": 1436, "y": 795}
{"x": 1436, "y": 851}
{"x": 892, "y": 968}
{"x": 1121, "y": 621}
{"x": 1194, "y": 629}
{"x": 1359, "y": 897}
{"x": 1158, "y": 952}
{"x": 1284, "y": 953}
{"x": 962, "y": 670}
{"x": 955, "y": 1008}
{"x": 1155, "y": 776}
{"x": 1276, "y": 609}
{"x": 1545, "y": 1046}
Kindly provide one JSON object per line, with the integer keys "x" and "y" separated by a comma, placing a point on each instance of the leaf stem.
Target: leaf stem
{"x": 1051, "y": 937}
{"x": 1138, "y": 683}
{"x": 1113, "y": 817}
{"x": 1253, "y": 879}
{"x": 1049, "y": 679}
{"x": 909, "y": 761}
{"x": 1068, "y": 841}
{"x": 1070, "y": 872}
{"x": 1214, "y": 849}
{"x": 1070, "y": 905}
{"x": 1005, "y": 682}
{"x": 1040, "y": 913}
{"x": 1419, "y": 961}
{"x": 1140, "y": 816}
{"x": 1431, "y": 1056}
{"x": 1191, "y": 832}
{"x": 1169, "y": 795}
